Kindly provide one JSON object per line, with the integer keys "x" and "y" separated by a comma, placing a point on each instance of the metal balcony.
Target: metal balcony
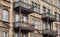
{"x": 48, "y": 31}
{"x": 23, "y": 26}
{"x": 48, "y": 16}
{"x": 24, "y": 6}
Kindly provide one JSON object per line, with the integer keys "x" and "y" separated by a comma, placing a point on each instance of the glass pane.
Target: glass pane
{"x": 5, "y": 15}
{"x": 17, "y": 0}
{"x": 25, "y": 18}
{"x": 17, "y": 18}
{"x": 17, "y": 34}
{"x": 4, "y": 34}
{"x": 26, "y": 1}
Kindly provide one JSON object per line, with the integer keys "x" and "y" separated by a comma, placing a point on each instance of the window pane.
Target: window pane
{"x": 17, "y": 34}
{"x": 44, "y": 9}
{"x": 25, "y": 18}
{"x": 5, "y": 15}
{"x": 17, "y": 18}
{"x": 36, "y": 7}
{"x": 17, "y": 0}
{"x": 26, "y": 1}
{"x": 48, "y": 10}
{"x": 4, "y": 34}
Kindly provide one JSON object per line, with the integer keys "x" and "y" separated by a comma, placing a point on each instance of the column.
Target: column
{"x": 11, "y": 19}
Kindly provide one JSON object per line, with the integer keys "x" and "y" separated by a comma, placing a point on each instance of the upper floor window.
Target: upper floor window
{"x": 17, "y": 34}
{"x": 17, "y": 0}
{"x": 48, "y": 10}
{"x": 36, "y": 23}
{"x": 26, "y": 1}
{"x": 44, "y": 9}
{"x": 17, "y": 17}
{"x": 47, "y": 1}
{"x": 25, "y": 18}
{"x": 59, "y": 17}
{"x": 55, "y": 13}
{"x": 47, "y": 25}
{"x": 36, "y": 7}
{"x": 4, "y": 34}
{"x": 5, "y": 15}
{"x": 58, "y": 29}
{"x": 56, "y": 16}
{"x": 7, "y": 0}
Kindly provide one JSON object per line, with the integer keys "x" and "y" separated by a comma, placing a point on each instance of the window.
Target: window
{"x": 44, "y": 26}
{"x": 36, "y": 23}
{"x": 59, "y": 17}
{"x": 7, "y": 0}
{"x": 58, "y": 29}
{"x": 44, "y": 9}
{"x": 25, "y": 18}
{"x": 36, "y": 7}
{"x": 26, "y": 1}
{"x": 17, "y": 17}
{"x": 4, "y": 34}
{"x": 17, "y": 0}
{"x": 56, "y": 2}
{"x": 48, "y": 10}
{"x": 47, "y": 1}
{"x": 5, "y": 15}
{"x": 25, "y": 35}
{"x": 55, "y": 14}
{"x": 47, "y": 25}
{"x": 17, "y": 34}
{"x": 17, "y": 24}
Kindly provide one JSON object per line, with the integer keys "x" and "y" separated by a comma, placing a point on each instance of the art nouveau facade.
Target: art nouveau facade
{"x": 29, "y": 18}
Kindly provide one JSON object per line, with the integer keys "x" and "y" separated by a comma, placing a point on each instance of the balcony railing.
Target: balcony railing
{"x": 23, "y": 26}
{"x": 48, "y": 31}
{"x": 48, "y": 16}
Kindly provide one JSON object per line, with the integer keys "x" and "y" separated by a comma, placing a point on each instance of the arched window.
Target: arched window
{"x": 5, "y": 15}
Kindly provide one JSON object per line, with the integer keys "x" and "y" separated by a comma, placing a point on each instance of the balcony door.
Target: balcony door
{"x": 17, "y": 19}
{"x": 47, "y": 25}
{"x": 25, "y": 19}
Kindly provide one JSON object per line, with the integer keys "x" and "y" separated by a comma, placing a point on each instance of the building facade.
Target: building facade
{"x": 29, "y": 18}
